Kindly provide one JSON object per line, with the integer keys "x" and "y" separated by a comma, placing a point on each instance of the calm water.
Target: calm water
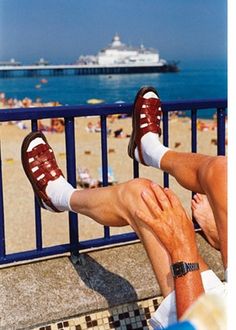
{"x": 198, "y": 80}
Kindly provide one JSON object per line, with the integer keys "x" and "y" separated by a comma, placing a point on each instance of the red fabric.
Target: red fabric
{"x": 152, "y": 123}
{"x": 45, "y": 160}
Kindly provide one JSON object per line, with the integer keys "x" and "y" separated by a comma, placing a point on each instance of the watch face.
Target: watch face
{"x": 179, "y": 269}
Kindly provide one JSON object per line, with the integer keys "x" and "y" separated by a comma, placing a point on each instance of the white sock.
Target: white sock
{"x": 59, "y": 190}
{"x": 152, "y": 149}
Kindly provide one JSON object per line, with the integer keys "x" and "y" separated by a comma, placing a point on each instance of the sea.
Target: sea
{"x": 197, "y": 79}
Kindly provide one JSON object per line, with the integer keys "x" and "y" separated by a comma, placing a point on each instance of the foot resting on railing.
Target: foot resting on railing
{"x": 51, "y": 189}
{"x": 144, "y": 144}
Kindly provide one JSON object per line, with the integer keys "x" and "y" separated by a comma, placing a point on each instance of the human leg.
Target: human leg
{"x": 112, "y": 206}
{"x": 199, "y": 173}
{"x": 207, "y": 175}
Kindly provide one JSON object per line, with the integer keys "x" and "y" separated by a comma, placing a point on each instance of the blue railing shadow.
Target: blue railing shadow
{"x": 69, "y": 113}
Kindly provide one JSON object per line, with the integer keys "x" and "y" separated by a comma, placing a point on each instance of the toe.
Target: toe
{"x": 193, "y": 205}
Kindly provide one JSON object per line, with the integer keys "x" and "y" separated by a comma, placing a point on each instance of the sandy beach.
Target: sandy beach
{"x": 18, "y": 195}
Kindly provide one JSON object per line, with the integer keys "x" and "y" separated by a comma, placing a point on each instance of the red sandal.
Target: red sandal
{"x": 40, "y": 166}
{"x": 146, "y": 118}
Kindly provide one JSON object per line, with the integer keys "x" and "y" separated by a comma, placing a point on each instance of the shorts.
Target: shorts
{"x": 165, "y": 314}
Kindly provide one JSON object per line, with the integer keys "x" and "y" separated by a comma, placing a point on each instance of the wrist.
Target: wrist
{"x": 187, "y": 255}
{"x": 181, "y": 268}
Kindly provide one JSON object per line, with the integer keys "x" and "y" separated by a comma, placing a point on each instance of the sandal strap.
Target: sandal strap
{"x": 149, "y": 119}
{"x": 43, "y": 169}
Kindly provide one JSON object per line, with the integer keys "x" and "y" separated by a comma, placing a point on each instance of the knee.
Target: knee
{"x": 138, "y": 185}
{"x": 130, "y": 192}
{"x": 129, "y": 198}
{"x": 214, "y": 170}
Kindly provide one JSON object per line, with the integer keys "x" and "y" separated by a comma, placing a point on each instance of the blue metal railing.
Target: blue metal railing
{"x": 69, "y": 113}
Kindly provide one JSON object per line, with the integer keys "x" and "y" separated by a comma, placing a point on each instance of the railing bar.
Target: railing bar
{"x": 194, "y": 130}
{"x": 135, "y": 169}
{"x": 34, "y": 125}
{"x": 2, "y": 228}
{"x": 114, "y": 239}
{"x": 38, "y": 225}
{"x": 65, "y": 248}
{"x": 88, "y": 110}
{"x": 166, "y": 143}
{"x": 78, "y": 111}
{"x": 135, "y": 164}
{"x": 221, "y": 131}
{"x": 194, "y": 149}
{"x": 37, "y": 209}
{"x": 71, "y": 176}
{"x": 103, "y": 119}
{"x": 34, "y": 254}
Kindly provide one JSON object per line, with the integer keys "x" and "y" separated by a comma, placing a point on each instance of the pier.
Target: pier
{"x": 75, "y": 69}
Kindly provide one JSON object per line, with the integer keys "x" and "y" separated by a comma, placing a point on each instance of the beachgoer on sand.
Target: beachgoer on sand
{"x": 57, "y": 125}
{"x": 155, "y": 213}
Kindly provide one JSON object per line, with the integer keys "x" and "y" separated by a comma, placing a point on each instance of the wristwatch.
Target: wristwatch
{"x": 181, "y": 268}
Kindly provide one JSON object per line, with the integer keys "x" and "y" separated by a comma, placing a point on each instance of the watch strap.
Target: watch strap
{"x": 181, "y": 268}
{"x": 192, "y": 266}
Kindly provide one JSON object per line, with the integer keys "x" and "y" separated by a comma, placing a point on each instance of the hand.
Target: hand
{"x": 171, "y": 224}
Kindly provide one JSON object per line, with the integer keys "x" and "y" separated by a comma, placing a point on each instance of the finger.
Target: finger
{"x": 174, "y": 200}
{"x": 150, "y": 203}
{"x": 160, "y": 196}
{"x": 151, "y": 223}
{"x": 144, "y": 217}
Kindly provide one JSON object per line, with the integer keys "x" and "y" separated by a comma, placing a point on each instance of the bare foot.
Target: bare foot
{"x": 203, "y": 214}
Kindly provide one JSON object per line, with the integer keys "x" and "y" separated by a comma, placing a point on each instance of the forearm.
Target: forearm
{"x": 172, "y": 225}
{"x": 188, "y": 287}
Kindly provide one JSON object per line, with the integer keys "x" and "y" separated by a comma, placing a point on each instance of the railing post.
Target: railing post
{"x": 194, "y": 149}
{"x": 221, "y": 131}
{"x": 2, "y": 227}
{"x": 69, "y": 113}
{"x": 135, "y": 169}
{"x": 71, "y": 176}
{"x": 166, "y": 142}
{"x": 194, "y": 130}
{"x": 104, "y": 161}
{"x": 37, "y": 209}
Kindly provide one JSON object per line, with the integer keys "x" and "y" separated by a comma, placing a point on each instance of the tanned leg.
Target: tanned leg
{"x": 206, "y": 175}
{"x": 116, "y": 206}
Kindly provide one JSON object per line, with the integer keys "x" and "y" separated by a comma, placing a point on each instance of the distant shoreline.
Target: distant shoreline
{"x": 199, "y": 82}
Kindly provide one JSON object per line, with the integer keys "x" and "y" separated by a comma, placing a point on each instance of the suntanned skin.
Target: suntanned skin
{"x": 117, "y": 206}
{"x": 157, "y": 216}
{"x": 204, "y": 216}
{"x": 172, "y": 225}
{"x": 206, "y": 175}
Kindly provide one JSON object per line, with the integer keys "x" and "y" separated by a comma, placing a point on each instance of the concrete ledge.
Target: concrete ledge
{"x": 51, "y": 290}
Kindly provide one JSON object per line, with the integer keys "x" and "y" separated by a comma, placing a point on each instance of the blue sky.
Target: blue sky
{"x": 61, "y": 30}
